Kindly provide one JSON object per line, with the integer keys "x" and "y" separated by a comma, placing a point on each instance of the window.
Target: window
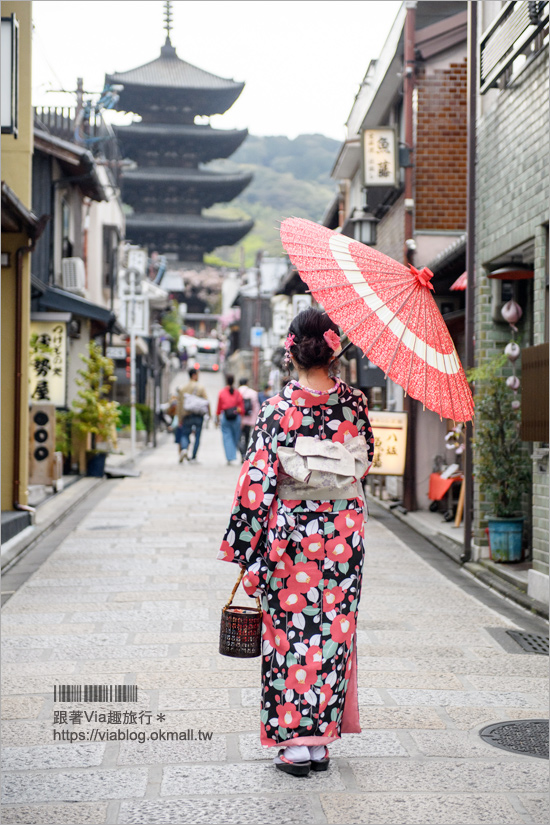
{"x": 517, "y": 35}
{"x": 66, "y": 244}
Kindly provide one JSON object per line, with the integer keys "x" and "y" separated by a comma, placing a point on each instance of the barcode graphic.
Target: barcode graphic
{"x": 95, "y": 693}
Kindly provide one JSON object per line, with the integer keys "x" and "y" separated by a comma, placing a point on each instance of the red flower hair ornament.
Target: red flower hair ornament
{"x": 332, "y": 339}
{"x": 288, "y": 343}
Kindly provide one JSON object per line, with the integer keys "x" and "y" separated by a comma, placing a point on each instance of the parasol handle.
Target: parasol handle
{"x": 348, "y": 345}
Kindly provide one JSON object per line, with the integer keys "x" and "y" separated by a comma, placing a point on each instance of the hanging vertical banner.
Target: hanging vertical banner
{"x": 48, "y": 362}
{"x": 390, "y": 442}
{"x": 380, "y": 157}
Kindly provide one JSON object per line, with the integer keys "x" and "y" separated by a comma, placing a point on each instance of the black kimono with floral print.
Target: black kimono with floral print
{"x": 304, "y": 558}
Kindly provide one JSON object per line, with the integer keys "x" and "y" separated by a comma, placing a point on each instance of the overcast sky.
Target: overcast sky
{"x": 302, "y": 60}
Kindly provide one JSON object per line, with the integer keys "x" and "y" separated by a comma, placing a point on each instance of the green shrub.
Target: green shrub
{"x": 501, "y": 466}
{"x": 63, "y": 423}
{"x": 124, "y": 421}
{"x": 146, "y": 416}
{"x": 93, "y": 412}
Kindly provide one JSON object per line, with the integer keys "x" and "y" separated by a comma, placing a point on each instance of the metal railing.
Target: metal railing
{"x": 90, "y": 131}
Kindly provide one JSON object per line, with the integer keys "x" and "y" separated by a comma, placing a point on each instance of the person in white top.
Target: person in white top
{"x": 248, "y": 420}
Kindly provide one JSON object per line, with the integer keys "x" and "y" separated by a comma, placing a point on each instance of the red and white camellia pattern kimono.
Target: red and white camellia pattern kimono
{"x": 304, "y": 558}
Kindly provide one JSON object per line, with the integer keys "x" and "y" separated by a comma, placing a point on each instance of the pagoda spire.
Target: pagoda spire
{"x": 168, "y": 50}
{"x": 168, "y": 21}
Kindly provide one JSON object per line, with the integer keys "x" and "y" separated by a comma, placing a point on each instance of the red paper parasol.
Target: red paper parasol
{"x": 460, "y": 284}
{"x": 387, "y": 310}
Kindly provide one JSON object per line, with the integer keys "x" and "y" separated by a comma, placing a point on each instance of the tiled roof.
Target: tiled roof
{"x": 183, "y": 175}
{"x": 184, "y": 130}
{"x": 170, "y": 72}
{"x": 151, "y": 220}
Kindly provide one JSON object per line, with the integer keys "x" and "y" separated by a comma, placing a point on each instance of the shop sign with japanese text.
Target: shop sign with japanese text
{"x": 380, "y": 157}
{"x": 390, "y": 442}
{"x": 48, "y": 362}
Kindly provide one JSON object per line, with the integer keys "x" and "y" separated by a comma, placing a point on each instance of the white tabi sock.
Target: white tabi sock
{"x": 297, "y": 753}
{"x": 317, "y": 752}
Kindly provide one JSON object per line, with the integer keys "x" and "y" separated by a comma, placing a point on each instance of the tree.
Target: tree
{"x": 501, "y": 465}
{"x": 94, "y": 413}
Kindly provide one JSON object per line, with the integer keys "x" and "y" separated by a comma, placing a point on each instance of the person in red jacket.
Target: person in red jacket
{"x": 228, "y": 415}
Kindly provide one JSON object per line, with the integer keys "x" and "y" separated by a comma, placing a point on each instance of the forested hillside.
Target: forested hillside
{"x": 291, "y": 177}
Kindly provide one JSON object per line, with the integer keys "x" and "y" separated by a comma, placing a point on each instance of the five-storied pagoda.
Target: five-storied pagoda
{"x": 169, "y": 188}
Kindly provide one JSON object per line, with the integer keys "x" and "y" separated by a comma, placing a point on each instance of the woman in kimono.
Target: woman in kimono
{"x": 297, "y": 527}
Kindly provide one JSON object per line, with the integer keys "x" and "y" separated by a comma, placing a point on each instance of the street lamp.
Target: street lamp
{"x": 364, "y": 227}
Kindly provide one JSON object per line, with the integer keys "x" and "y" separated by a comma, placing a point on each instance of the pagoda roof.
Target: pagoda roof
{"x": 183, "y": 130}
{"x": 204, "y": 141}
{"x": 185, "y": 223}
{"x": 153, "y": 228}
{"x": 172, "y": 74}
{"x": 183, "y": 175}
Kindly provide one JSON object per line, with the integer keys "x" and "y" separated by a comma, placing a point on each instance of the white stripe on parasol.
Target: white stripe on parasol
{"x": 445, "y": 363}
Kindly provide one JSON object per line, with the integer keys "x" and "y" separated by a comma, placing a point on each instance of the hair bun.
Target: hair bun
{"x": 310, "y": 348}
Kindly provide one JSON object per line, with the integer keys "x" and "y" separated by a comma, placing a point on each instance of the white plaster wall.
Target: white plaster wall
{"x": 429, "y": 245}
{"x": 100, "y": 214}
{"x": 76, "y": 347}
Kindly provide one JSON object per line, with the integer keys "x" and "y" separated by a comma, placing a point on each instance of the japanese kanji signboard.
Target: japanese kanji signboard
{"x": 48, "y": 362}
{"x": 379, "y": 157}
{"x": 390, "y": 442}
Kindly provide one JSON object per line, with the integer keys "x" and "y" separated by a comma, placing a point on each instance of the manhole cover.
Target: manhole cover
{"x": 528, "y": 736}
{"x": 531, "y": 642}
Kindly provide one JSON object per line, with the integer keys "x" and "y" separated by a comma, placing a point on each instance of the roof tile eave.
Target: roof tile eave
{"x": 160, "y": 221}
{"x": 173, "y": 72}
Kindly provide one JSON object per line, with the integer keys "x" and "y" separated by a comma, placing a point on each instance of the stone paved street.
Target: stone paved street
{"x": 133, "y": 595}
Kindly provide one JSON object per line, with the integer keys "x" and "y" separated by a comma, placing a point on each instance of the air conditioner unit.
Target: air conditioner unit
{"x": 73, "y": 275}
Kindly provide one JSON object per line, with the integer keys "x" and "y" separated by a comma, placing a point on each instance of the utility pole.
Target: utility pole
{"x": 79, "y": 96}
{"x": 470, "y": 267}
{"x": 135, "y": 315}
{"x": 409, "y": 479}
{"x": 257, "y": 322}
{"x": 133, "y": 274}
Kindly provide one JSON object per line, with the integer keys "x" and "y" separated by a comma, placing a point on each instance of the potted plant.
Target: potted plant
{"x": 501, "y": 466}
{"x": 94, "y": 414}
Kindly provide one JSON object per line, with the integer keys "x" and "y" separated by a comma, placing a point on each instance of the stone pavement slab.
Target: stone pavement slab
{"x": 133, "y": 596}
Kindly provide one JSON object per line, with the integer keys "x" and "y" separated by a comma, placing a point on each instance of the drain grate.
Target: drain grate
{"x": 531, "y": 642}
{"x": 527, "y": 736}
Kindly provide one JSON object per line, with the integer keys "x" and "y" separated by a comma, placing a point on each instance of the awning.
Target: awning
{"x": 15, "y": 215}
{"x": 62, "y": 301}
{"x": 448, "y": 256}
{"x": 76, "y": 162}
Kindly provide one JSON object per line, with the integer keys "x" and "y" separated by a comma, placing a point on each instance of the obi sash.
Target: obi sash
{"x": 321, "y": 470}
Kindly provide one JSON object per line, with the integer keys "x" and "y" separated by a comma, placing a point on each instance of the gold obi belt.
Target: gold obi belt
{"x": 322, "y": 470}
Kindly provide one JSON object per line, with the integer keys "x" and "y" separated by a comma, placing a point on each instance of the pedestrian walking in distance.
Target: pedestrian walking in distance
{"x": 297, "y": 527}
{"x": 251, "y": 410}
{"x": 193, "y": 405}
{"x": 228, "y": 416}
{"x": 264, "y": 394}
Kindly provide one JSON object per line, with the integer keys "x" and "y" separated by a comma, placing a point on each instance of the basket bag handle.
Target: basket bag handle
{"x": 232, "y": 596}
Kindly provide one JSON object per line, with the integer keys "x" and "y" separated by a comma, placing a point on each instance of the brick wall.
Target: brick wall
{"x": 440, "y": 170}
{"x": 511, "y": 208}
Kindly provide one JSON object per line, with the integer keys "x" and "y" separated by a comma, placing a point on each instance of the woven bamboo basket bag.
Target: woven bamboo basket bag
{"x": 241, "y": 628}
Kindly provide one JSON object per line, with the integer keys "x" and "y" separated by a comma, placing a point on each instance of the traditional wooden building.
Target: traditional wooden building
{"x": 169, "y": 188}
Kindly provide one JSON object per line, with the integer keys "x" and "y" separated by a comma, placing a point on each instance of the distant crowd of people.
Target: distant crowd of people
{"x": 236, "y": 413}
